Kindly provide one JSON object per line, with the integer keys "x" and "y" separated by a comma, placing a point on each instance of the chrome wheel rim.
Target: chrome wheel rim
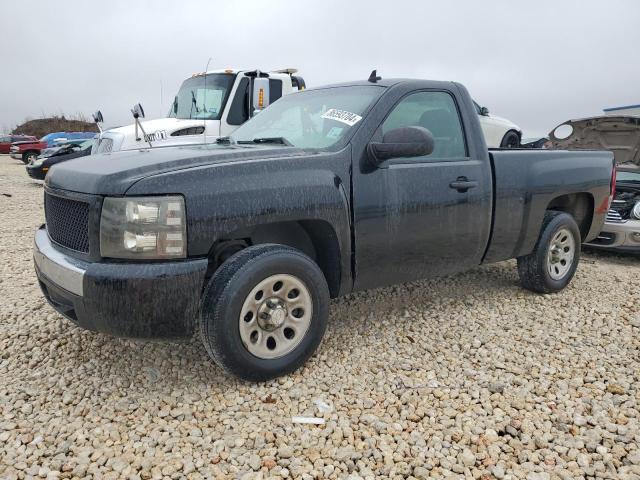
{"x": 275, "y": 316}
{"x": 560, "y": 254}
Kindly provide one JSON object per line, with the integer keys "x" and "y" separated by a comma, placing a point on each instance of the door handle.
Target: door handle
{"x": 462, "y": 184}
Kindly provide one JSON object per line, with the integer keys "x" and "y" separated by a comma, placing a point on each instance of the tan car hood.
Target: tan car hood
{"x": 619, "y": 134}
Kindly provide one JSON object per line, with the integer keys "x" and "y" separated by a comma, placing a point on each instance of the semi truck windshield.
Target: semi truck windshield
{"x": 202, "y": 97}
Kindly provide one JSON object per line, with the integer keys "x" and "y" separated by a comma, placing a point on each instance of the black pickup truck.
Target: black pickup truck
{"x": 328, "y": 191}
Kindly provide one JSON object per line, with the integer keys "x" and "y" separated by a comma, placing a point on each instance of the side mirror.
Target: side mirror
{"x": 400, "y": 143}
{"x": 484, "y": 111}
{"x": 138, "y": 111}
{"x": 97, "y": 117}
{"x": 175, "y": 106}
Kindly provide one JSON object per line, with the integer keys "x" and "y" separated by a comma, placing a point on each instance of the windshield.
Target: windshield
{"x": 627, "y": 176}
{"x": 202, "y": 97}
{"x": 312, "y": 118}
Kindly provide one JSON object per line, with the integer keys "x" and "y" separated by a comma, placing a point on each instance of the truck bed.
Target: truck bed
{"x": 526, "y": 182}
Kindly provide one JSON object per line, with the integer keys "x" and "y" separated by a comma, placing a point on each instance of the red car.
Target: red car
{"x": 27, "y": 151}
{"x": 7, "y": 140}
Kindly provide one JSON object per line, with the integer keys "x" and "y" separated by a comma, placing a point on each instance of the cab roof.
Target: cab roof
{"x": 390, "y": 82}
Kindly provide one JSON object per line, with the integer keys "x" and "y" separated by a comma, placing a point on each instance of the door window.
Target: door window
{"x": 437, "y": 112}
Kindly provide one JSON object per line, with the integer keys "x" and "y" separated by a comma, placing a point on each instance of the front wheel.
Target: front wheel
{"x": 29, "y": 157}
{"x": 554, "y": 260}
{"x": 264, "y": 312}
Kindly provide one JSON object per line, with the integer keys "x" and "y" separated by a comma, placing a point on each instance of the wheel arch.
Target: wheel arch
{"x": 512, "y": 130}
{"x": 314, "y": 237}
{"x": 579, "y": 206}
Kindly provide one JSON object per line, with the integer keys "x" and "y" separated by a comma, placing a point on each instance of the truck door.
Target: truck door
{"x": 422, "y": 216}
{"x": 240, "y": 108}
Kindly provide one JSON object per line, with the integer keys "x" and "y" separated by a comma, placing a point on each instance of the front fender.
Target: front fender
{"x": 225, "y": 198}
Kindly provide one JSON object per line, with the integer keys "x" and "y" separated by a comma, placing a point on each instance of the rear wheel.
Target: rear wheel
{"x": 264, "y": 312}
{"x": 554, "y": 260}
{"x": 511, "y": 139}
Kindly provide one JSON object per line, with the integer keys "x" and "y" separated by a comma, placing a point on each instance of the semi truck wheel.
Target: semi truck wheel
{"x": 264, "y": 312}
{"x": 554, "y": 260}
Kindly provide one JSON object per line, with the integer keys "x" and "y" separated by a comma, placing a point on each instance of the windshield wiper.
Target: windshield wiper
{"x": 277, "y": 140}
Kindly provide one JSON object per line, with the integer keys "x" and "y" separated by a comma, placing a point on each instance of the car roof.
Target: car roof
{"x": 390, "y": 82}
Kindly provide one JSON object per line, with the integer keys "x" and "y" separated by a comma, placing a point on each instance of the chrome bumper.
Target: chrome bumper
{"x": 620, "y": 235}
{"x": 64, "y": 271}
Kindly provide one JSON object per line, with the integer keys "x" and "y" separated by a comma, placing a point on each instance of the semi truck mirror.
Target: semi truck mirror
{"x": 404, "y": 142}
{"x": 138, "y": 111}
{"x": 97, "y": 117}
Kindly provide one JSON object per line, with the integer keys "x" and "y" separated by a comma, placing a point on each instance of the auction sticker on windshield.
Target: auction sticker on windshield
{"x": 342, "y": 116}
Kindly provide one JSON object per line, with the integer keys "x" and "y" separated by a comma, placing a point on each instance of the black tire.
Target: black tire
{"x": 511, "y": 139}
{"x": 533, "y": 268}
{"x": 225, "y": 294}
{"x": 27, "y": 157}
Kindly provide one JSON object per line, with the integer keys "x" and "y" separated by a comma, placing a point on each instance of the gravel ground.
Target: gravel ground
{"x": 467, "y": 376}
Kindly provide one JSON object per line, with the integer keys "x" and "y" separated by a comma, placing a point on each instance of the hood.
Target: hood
{"x": 28, "y": 142}
{"x": 618, "y": 134}
{"x": 114, "y": 173}
{"x": 48, "y": 152}
{"x": 55, "y": 159}
{"x": 162, "y": 132}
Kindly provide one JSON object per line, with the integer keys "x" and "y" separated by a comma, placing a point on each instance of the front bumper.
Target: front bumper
{"x": 619, "y": 236}
{"x": 36, "y": 172}
{"x": 138, "y": 300}
{"x": 16, "y": 155}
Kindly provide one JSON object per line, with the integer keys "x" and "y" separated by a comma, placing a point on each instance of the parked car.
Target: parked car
{"x": 38, "y": 169}
{"x": 7, "y": 140}
{"x": 326, "y": 192}
{"x": 621, "y": 230}
{"x": 620, "y": 135}
{"x": 28, "y": 151}
{"x": 498, "y": 132}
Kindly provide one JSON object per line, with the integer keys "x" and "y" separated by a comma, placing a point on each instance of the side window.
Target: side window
{"x": 239, "y": 110}
{"x": 437, "y": 112}
{"x": 275, "y": 90}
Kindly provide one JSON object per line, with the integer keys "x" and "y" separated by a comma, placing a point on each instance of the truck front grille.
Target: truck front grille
{"x": 67, "y": 222}
{"x": 614, "y": 217}
{"x": 105, "y": 145}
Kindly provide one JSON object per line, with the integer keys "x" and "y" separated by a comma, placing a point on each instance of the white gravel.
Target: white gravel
{"x": 467, "y": 376}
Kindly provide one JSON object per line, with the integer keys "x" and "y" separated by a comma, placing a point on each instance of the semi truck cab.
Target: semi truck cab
{"x": 208, "y": 105}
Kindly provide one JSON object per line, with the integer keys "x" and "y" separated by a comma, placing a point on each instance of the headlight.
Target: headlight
{"x": 143, "y": 227}
{"x": 636, "y": 210}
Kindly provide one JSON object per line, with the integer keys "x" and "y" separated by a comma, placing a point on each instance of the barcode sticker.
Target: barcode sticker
{"x": 342, "y": 116}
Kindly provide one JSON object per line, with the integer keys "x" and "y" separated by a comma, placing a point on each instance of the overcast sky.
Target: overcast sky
{"x": 537, "y": 63}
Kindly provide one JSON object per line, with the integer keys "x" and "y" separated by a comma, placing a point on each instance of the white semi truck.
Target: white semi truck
{"x": 208, "y": 105}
